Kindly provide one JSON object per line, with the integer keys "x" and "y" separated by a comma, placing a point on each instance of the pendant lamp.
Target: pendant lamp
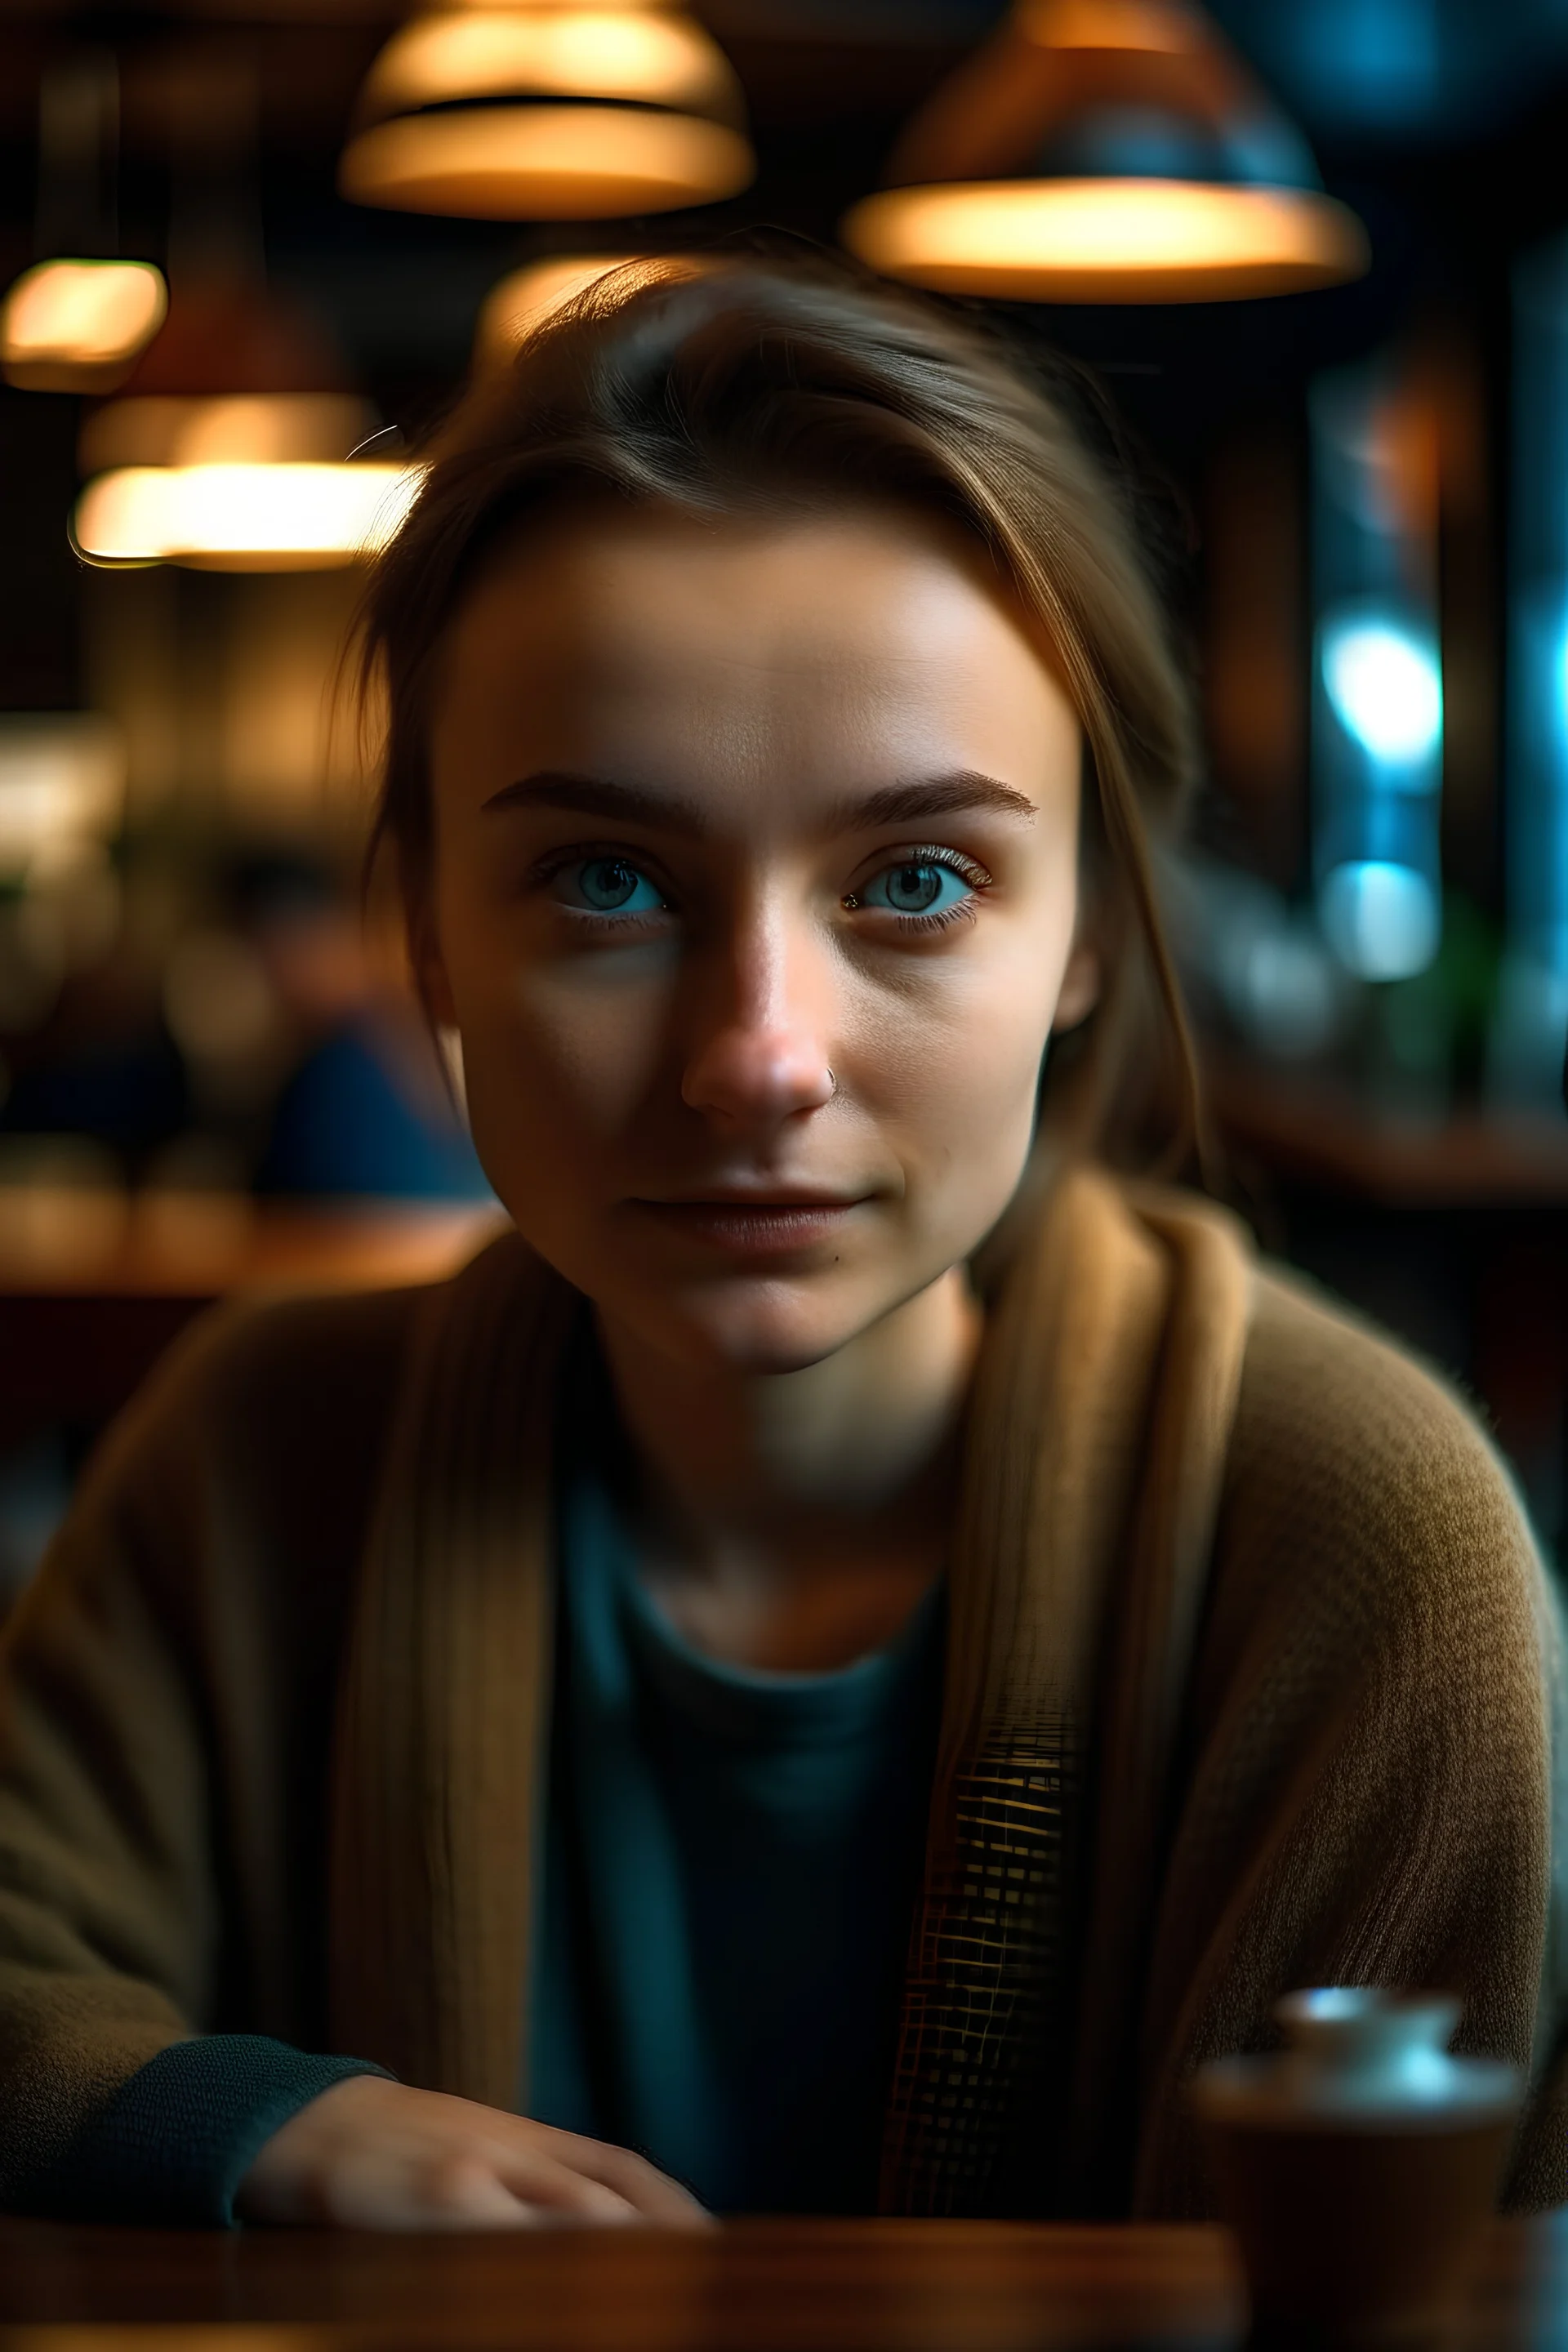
{"x": 547, "y": 112}
{"x": 1106, "y": 150}
{"x": 229, "y": 448}
{"x": 76, "y": 321}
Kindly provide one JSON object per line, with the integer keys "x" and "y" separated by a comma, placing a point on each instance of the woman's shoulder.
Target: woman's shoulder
{"x": 1363, "y": 1472}
{"x": 255, "y": 1447}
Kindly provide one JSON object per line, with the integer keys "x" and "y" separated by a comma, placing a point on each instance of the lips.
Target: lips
{"x": 749, "y": 1223}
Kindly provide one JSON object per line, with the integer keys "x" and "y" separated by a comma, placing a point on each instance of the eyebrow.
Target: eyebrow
{"x": 922, "y": 797}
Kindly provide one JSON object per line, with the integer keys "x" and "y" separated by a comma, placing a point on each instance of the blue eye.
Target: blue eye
{"x": 922, "y": 887}
{"x": 612, "y": 886}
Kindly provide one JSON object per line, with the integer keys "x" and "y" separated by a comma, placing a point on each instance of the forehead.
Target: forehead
{"x": 642, "y": 641}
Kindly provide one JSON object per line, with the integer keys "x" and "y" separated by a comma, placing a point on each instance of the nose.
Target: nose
{"x": 759, "y": 1044}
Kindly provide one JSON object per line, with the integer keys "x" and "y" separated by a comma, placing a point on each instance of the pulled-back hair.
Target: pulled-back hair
{"x": 749, "y": 386}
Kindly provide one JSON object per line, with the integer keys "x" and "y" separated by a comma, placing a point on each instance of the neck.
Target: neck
{"x": 792, "y": 1519}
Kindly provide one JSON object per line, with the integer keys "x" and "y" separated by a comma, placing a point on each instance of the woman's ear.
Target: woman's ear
{"x": 1080, "y": 988}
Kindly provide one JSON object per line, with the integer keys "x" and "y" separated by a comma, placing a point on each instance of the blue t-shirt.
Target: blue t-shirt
{"x": 731, "y": 1862}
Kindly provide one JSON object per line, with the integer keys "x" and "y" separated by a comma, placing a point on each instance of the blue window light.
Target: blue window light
{"x": 1377, "y": 686}
{"x": 1527, "y": 1049}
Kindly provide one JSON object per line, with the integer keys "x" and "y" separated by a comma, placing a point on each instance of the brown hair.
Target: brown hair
{"x": 759, "y": 385}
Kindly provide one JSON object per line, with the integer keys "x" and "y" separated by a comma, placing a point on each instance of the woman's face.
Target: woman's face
{"x": 754, "y": 892}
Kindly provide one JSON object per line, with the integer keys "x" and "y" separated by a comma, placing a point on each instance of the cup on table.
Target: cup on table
{"x": 1358, "y": 2168}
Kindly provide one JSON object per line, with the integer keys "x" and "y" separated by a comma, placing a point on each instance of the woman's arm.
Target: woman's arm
{"x": 167, "y": 1688}
{"x": 113, "y": 1907}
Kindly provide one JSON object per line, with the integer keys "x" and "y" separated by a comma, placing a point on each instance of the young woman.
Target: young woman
{"x": 837, "y": 1662}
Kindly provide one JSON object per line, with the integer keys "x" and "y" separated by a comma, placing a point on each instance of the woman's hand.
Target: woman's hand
{"x": 373, "y": 2155}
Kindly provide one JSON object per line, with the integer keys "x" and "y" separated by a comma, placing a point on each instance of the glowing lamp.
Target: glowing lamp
{"x": 544, "y": 162}
{"x": 1105, "y": 150}
{"x": 547, "y": 112}
{"x": 1386, "y": 687}
{"x": 1092, "y": 240}
{"x": 238, "y": 428}
{"x": 1383, "y": 920}
{"x": 644, "y": 58}
{"x": 237, "y": 518}
{"x": 79, "y": 326}
{"x": 62, "y": 782}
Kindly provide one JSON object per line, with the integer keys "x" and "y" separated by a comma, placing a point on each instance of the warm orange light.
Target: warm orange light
{"x": 521, "y": 301}
{"x": 288, "y": 518}
{"x": 1109, "y": 240}
{"x": 62, "y": 783}
{"x": 77, "y": 326}
{"x": 515, "y": 308}
{"x": 250, "y": 428}
{"x": 1149, "y": 26}
{"x": 650, "y": 59}
{"x": 546, "y": 162}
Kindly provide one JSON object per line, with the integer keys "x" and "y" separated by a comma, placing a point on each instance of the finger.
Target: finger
{"x": 448, "y": 2190}
{"x": 653, "y": 2194}
{"x": 556, "y": 2192}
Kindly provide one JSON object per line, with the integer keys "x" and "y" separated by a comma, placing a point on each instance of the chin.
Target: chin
{"x": 771, "y": 1331}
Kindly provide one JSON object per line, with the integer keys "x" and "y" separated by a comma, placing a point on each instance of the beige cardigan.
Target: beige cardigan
{"x": 1250, "y": 1677}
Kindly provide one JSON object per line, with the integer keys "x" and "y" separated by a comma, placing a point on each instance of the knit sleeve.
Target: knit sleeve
{"x": 1366, "y": 1797}
{"x": 174, "y": 2143}
{"x": 164, "y": 1714}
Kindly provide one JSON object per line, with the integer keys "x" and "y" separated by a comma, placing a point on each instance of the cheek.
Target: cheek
{"x": 959, "y": 1065}
{"x": 570, "y": 1065}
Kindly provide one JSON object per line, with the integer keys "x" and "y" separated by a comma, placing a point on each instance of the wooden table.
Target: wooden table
{"x": 755, "y": 2287}
{"x": 93, "y": 1286}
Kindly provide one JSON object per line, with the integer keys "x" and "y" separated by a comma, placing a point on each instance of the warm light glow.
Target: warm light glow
{"x": 655, "y": 59}
{"x": 523, "y": 300}
{"x": 242, "y": 517}
{"x": 518, "y": 304}
{"x": 77, "y": 326}
{"x": 1140, "y": 25}
{"x": 520, "y": 8}
{"x": 62, "y": 781}
{"x": 546, "y": 162}
{"x": 1108, "y": 240}
{"x": 252, "y": 429}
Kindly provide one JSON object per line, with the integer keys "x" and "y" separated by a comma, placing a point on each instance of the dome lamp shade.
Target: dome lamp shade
{"x": 1106, "y": 150}
{"x": 229, "y": 446}
{"x": 547, "y": 112}
{"x": 79, "y": 326}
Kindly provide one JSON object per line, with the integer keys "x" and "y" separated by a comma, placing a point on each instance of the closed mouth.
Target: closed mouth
{"x": 753, "y": 1222}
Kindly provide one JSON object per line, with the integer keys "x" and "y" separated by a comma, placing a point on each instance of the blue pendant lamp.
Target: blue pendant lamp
{"x": 1106, "y": 150}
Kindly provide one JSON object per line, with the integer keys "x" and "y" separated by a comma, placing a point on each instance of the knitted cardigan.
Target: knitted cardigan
{"x": 1250, "y": 1683}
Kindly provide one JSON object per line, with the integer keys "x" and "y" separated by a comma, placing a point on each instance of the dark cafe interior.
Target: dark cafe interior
{"x": 783, "y": 1175}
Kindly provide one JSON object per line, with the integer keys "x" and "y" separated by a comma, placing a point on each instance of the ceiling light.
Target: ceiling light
{"x": 235, "y": 428}
{"x": 265, "y": 518}
{"x": 549, "y": 112}
{"x": 1105, "y": 150}
{"x": 1108, "y": 240}
{"x": 78, "y": 326}
{"x": 648, "y": 59}
{"x": 62, "y": 783}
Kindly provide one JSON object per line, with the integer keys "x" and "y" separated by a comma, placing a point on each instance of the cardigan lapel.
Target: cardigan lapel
{"x": 1096, "y": 1444}
{"x": 443, "y": 1721}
